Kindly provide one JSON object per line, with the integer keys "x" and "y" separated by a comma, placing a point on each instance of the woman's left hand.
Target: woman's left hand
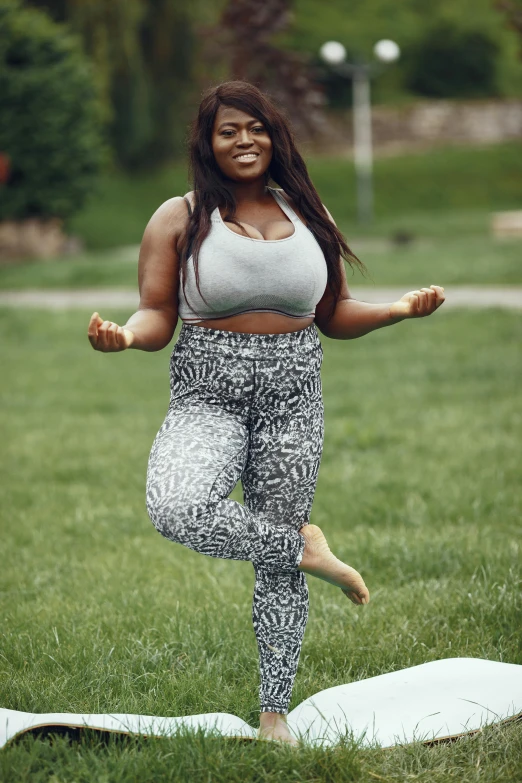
{"x": 416, "y": 304}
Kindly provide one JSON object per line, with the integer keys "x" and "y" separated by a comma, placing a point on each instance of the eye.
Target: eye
{"x": 226, "y": 133}
{"x": 259, "y": 128}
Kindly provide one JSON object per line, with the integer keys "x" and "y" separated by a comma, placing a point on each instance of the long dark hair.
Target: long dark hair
{"x": 287, "y": 169}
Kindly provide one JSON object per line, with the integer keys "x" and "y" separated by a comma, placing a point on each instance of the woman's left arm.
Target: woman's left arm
{"x": 353, "y": 318}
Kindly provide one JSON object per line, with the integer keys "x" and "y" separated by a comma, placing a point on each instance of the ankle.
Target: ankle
{"x": 271, "y": 718}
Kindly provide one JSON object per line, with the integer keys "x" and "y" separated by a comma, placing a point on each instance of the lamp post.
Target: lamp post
{"x": 334, "y": 53}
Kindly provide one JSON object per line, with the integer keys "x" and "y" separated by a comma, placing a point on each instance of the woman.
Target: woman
{"x": 258, "y": 266}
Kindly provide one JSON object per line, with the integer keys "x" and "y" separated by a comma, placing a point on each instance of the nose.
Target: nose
{"x": 244, "y": 138}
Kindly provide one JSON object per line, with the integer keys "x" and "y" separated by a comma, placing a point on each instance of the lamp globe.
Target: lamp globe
{"x": 333, "y": 52}
{"x": 386, "y": 51}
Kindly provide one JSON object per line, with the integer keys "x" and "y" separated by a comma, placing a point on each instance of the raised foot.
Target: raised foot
{"x": 319, "y": 561}
{"x": 273, "y": 726}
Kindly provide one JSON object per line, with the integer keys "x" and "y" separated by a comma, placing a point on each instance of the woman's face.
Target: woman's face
{"x": 241, "y": 144}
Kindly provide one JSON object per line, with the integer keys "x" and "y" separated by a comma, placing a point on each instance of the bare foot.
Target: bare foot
{"x": 273, "y": 726}
{"x": 319, "y": 561}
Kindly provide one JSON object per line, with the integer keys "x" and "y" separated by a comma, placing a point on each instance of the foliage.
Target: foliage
{"x": 143, "y": 54}
{"x": 513, "y": 11}
{"x": 50, "y": 125}
{"x": 359, "y": 25}
{"x": 243, "y": 38}
{"x": 448, "y": 62}
{"x": 152, "y": 58}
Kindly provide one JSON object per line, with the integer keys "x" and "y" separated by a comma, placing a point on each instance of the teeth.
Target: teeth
{"x": 243, "y": 157}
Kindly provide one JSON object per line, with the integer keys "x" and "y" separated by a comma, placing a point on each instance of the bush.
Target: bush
{"x": 50, "y": 118}
{"x": 449, "y": 62}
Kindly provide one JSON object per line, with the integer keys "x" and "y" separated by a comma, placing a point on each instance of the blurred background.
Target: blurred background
{"x": 97, "y": 99}
{"x": 409, "y": 116}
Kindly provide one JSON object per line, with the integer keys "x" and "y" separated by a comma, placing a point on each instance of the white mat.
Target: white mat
{"x": 434, "y": 701}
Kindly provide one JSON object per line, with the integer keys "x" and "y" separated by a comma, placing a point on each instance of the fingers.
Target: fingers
{"x": 434, "y": 298}
{"x": 112, "y": 340}
{"x": 419, "y": 302}
{"x": 103, "y": 343}
{"x": 439, "y": 294}
{"x": 359, "y": 599}
{"x": 414, "y": 301}
{"x": 426, "y": 300}
{"x": 423, "y": 307}
{"x": 105, "y": 335}
{"x": 92, "y": 330}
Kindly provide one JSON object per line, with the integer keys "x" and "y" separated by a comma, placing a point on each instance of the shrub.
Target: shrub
{"x": 50, "y": 118}
{"x": 449, "y": 62}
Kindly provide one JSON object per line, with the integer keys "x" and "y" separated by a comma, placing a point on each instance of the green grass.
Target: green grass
{"x": 442, "y": 199}
{"x": 104, "y": 269}
{"x": 418, "y": 488}
{"x": 473, "y": 257}
{"x": 408, "y": 190}
{"x": 438, "y": 181}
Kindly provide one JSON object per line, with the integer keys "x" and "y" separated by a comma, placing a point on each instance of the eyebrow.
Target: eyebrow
{"x": 237, "y": 123}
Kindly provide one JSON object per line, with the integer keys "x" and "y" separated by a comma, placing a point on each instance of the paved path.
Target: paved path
{"x": 103, "y": 299}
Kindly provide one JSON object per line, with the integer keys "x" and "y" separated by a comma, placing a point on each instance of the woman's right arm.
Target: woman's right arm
{"x": 152, "y": 326}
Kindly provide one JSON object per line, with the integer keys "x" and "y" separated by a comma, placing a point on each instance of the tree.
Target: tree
{"x": 142, "y": 51}
{"x": 243, "y": 39}
{"x": 513, "y": 11}
{"x": 451, "y": 62}
{"x": 50, "y": 119}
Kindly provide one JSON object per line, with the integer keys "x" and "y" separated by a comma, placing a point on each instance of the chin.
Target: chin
{"x": 247, "y": 176}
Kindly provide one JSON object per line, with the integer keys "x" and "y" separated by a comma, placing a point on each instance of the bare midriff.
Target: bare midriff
{"x": 257, "y": 323}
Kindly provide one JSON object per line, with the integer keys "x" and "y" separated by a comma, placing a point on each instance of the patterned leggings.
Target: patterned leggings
{"x": 245, "y": 406}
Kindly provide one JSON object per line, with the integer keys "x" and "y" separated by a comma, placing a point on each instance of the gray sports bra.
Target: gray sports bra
{"x": 240, "y": 274}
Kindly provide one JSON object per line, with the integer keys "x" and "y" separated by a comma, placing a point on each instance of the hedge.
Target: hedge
{"x": 51, "y": 135}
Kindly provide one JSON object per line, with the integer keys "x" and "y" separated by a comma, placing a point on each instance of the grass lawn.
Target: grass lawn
{"x": 442, "y": 199}
{"x": 419, "y": 488}
{"x": 408, "y": 188}
{"x": 471, "y": 257}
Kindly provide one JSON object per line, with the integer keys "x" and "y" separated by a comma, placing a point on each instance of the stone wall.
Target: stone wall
{"x": 35, "y": 238}
{"x": 429, "y": 123}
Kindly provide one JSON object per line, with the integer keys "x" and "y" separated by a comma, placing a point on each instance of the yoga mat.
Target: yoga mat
{"x": 433, "y": 702}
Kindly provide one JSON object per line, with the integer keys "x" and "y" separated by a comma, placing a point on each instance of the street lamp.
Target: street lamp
{"x": 334, "y": 53}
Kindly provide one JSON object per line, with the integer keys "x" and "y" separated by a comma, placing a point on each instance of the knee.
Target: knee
{"x": 175, "y": 516}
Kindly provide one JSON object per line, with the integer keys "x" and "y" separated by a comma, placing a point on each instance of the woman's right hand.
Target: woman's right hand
{"x": 107, "y": 336}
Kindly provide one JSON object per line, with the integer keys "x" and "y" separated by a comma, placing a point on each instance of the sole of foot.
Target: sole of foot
{"x": 319, "y": 561}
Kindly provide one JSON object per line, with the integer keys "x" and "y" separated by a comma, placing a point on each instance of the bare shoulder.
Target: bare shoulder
{"x": 191, "y": 196}
{"x": 171, "y": 217}
{"x": 158, "y": 265}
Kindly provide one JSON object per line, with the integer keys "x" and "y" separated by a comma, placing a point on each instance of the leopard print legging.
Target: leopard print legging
{"x": 245, "y": 406}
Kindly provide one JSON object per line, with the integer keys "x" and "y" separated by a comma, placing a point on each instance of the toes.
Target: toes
{"x": 357, "y": 598}
{"x": 354, "y": 598}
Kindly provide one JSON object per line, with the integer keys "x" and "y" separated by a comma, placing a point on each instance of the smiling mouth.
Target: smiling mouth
{"x": 247, "y": 156}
